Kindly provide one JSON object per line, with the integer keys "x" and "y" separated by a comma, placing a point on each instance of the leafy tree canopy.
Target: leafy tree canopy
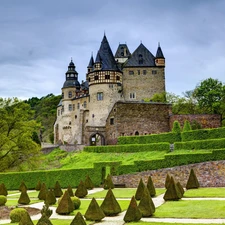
{"x": 16, "y": 130}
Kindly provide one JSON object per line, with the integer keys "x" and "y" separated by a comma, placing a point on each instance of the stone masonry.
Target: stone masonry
{"x": 209, "y": 174}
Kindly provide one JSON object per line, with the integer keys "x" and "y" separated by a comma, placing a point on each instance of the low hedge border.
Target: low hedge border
{"x": 153, "y": 138}
{"x": 163, "y": 146}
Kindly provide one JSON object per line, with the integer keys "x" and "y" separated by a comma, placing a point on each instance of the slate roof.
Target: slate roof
{"x": 159, "y": 53}
{"x": 120, "y": 50}
{"x": 91, "y": 62}
{"x": 141, "y": 57}
{"x": 71, "y": 83}
{"x": 106, "y": 57}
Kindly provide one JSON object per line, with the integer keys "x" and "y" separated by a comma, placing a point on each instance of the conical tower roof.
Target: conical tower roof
{"x": 159, "y": 53}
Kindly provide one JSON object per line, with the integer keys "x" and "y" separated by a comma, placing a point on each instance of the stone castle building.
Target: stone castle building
{"x": 112, "y": 100}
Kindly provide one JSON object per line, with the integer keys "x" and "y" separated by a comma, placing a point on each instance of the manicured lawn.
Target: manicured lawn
{"x": 207, "y": 209}
{"x": 162, "y": 223}
{"x": 217, "y": 192}
{"x": 122, "y": 193}
{"x": 14, "y": 202}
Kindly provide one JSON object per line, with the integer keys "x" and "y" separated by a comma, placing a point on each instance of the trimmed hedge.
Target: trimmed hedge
{"x": 65, "y": 177}
{"x": 153, "y": 138}
{"x": 163, "y": 146}
{"x": 202, "y": 144}
{"x": 203, "y": 134}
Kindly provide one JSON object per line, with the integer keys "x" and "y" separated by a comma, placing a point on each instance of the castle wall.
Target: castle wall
{"x": 143, "y": 85}
{"x": 127, "y": 118}
{"x": 206, "y": 120}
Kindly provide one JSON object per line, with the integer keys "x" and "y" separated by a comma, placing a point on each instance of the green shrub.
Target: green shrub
{"x": 43, "y": 191}
{"x": 110, "y": 205}
{"x": 94, "y": 212}
{"x": 163, "y": 146}
{"x": 44, "y": 220}
{"x": 203, "y": 134}
{"x": 133, "y": 213}
{"x": 76, "y": 202}
{"x": 108, "y": 184}
{"x": 65, "y": 205}
{"x": 167, "y": 181}
{"x": 151, "y": 187}
{"x": 176, "y": 127}
{"x": 38, "y": 186}
{"x": 3, "y": 190}
{"x": 22, "y": 186}
{"x": 57, "y": 190}
{"x": 139, "y": 190}
{"x": 202, "y": 144}
{"x": 3, "y": 200}
{"x": 187, "y": 126}
{"x": 46, "y": 211}
{"x": 16, "y": 214}
{"x": 147, "y": 139}
{"x": 70, "y": 191}
{"x": 50, "y": 198}
{"x": 24, "y": 198}
{"x": 81, "y": 191}
{"x": 26, "y": 220}
{"x": 192, "y": 181}
{"x": 88, "y": 183}
{"x": 78, "y": 220}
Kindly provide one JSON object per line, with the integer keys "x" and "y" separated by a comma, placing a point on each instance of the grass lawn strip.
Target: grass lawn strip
{"x": 212, "y": 192}
{"x": 197, "y": 209}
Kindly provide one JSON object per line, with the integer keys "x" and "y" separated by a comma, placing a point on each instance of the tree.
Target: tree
{"x": 16, "y": 130}
{"x": 210, "y": 94}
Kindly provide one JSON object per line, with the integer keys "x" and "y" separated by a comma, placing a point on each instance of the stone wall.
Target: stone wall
{"x": 206, "y": 120}
{"x": 135, "y": 118}
{"x": 209, "y": 174}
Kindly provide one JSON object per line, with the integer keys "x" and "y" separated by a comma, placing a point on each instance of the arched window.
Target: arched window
{"x": 70, "y": 94}
{"x": 137, "y": 133}
{"x": 85, "y": 104}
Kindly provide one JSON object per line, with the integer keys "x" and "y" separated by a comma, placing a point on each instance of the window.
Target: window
{"x": 100, "y": 96}
{"x": 132, "y": 95}
{"x": 117, "y": 77}
{"x": 62, "y": 95}
{"x": 139, "y": 72}
{"x": 144, "y": 72}
{"x": 73, "y": 107}
{"x": 70, "y": 107}
{"x": 131, "y": 72}
{"x": 70, "y": 94}
{"x": 154, "y": 71}
{"x": 111, "y": 121}
{"x": 107, "y": 77}
{"x": 140, "y": 59}
{"x": 110, "y": 85}
{"x": 122, "y": 54}
{"x": 58, "y": 112}
{"x": 78, "y": 105}
{"x": 62, "y": 109}
{"x": 96, "y": 77}
{"x": 85, "y": 104}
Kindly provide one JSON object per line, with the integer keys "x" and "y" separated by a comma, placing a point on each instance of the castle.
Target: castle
{"x": 112, "y": 100}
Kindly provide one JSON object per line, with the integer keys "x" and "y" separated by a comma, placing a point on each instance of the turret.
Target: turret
{"x": 122, "y": 53}
{"x": 159, "y": 59}
{"x": 90, "y": 65}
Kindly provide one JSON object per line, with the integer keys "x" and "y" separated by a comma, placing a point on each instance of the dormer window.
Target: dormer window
{"x": 140, "y": 59}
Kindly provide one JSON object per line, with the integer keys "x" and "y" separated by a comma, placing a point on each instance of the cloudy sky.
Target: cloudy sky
{"x": 38, "y": 39}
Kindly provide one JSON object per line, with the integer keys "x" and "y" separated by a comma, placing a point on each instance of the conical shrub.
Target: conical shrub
{"x": 44, "y": 220}
{"x": 70, "y": 191}
{"x": 187, "y": 126}
{"x": 110, "y": 205}
{"x": 78, "y": 220}
{"x": 172, "y": 193}
{"x": 88, "y": 183}
{"x": 140, "y": 190}
{"x": 81, "y": 191}
{"x": 94, "y": 212}
{"x": 167, "y": 181}
{"x": 38, "y": 186}
{"x": 180, "y": 188}
{"x": 58, "y": 190}
{"x": 24, "y": 198}
{"x": 146, "y": 204}
{"x": 26, "y": 220}
{"x": 46, "y": 210}
{"x": 133, "y": 213}
{"x": 50, "y": 197}
{"x": 108, "y": 183}
{"x": 3, "y": 190}
{"x": 65, "y": 206}
{"x": 192, "y": 181}
{"x": 42, "y": 192}
{"x": 151, "y": 187}
{"x": 22, "y": 186}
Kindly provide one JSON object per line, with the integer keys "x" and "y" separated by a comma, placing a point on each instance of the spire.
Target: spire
{"x": 91, "y": 62}
{"x": 159, "y": 53}
{"x": 98, "y": 58}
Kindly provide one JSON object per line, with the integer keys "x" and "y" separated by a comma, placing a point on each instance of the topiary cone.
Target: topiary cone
{"x": 180, "y": 188}
{"x": 110, "y": 205}
{"x": 133, "y": 213}
{"x": 81, "y": 191}
{"x": 44, "y": 220}
{"x": 146, "y": 204}
{"x": 78, "y": 220}
{"x": 192, "y": 181}
{"x": 3, "y": 190}
{"x": 57, "y": 189}
{"x": 151, "y": 187}
{"x": 140, "y": 190}
{"x": 66, "y": 205}
{"x": 26, "y": 220}
{"x": 42, "y": 192}
{"x": 24, "y": 198}
{"x": 167, "y": 181}
{"x": 94, "y": 212}
{"x": 172, "y": 193}
{"x": 38, "y": 186}
{"x": 108, "y": 182}
{"x": 22, "y": 186}
{"x": 70, "y": 191}
{"x": 50, "y": 197}
{"x": 88, "y": 183}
